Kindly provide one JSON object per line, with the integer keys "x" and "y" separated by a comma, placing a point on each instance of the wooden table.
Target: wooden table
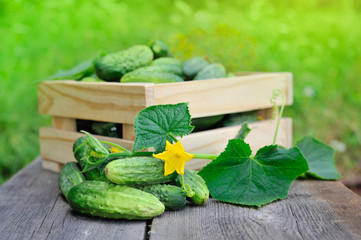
{"x": 32, "y": 208}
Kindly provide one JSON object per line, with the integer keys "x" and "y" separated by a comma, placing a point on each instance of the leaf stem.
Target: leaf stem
{"x": 173, "y": 138}
{"x": 205, "y": 156}
{"x": 117, "y": 146}
{"x": 276, "y": 94}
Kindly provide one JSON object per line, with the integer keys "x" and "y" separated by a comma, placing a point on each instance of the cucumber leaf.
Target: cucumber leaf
{"x": 78, "y": 72}
{"x": 238, "y": 177}
{"x": 320, "y": 158}
{"x": 156, "y": 124}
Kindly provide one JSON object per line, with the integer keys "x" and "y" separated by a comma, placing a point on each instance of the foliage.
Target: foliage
{"x": 318, "y": 41}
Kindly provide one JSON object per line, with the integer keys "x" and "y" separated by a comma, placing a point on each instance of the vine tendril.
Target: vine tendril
{"x": 276, "y": 93}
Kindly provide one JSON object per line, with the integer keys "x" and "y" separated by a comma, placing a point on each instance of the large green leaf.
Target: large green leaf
{"x": 320, "y": 158}
{"x": 238, "y": 177}
{"x": 78, "y": 72}
{"x": 156, "y": 124}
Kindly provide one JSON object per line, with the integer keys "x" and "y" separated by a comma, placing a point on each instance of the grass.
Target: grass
{"x": 318, "y": 41}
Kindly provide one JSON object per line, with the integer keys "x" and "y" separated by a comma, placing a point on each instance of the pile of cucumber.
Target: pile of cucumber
{"x": 126, "y": 188}
{"x": 141, "y": 63}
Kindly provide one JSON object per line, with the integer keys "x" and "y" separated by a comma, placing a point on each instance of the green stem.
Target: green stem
{"x": 173, "y": 138}
{"x": 281, "y": 112}
{"x": 205, "y": 156}
{"x": 129, "y": 154}
{"x": 117, "y": 146}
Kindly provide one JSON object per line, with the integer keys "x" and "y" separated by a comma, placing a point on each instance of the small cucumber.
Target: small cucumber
{"x": 80, "y": 150}
{"x": 171, "y": 196}
{"x": 168, "y": 68}
{"x": 137, "y": 171}
{"x": 113, "y": 66}
{"x": 197, "y": 184}
{"x": 215, "y": 70}
{"x": 167, "y": 60}
{"x": 193, "y": 66}
{"x": 108, "y": 200}
{"x": 204, "y": 123}
{"x": 152, "y": 77}
{"x": 69, "y": 176}
{"x": 159, "y": 48}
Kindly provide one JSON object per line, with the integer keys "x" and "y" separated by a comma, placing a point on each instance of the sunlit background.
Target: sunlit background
{"x": 318, "y": 41}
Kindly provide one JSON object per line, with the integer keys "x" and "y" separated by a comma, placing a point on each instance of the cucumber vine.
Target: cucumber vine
{"x": 276, "y": 93}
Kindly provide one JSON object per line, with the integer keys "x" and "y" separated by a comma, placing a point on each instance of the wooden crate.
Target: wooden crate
{"x": 69, "y": 100}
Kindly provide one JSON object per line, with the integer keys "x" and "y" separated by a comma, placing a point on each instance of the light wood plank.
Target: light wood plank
{"x": 108, "y": 102}
{"x": 313, "y": 210}
{"x": 227, "y": 95}
{"x": 57, "y": 145}
{"x": 64, "y": 123}
{"x": 215, "y": 141}
{"x": 32, "y": 208}
{"x": 128, "y": 132}
{"x": 50, "y": 165}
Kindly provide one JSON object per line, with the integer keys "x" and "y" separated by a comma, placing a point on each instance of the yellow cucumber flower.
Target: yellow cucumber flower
{"x": 174, "y": 157}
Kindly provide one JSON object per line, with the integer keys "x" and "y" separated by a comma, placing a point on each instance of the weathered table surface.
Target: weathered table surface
{"x": 32, "y": 208}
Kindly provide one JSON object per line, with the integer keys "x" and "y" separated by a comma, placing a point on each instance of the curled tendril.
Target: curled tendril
{"x": 276, "y": 93}
{"x": 187, "y": 189}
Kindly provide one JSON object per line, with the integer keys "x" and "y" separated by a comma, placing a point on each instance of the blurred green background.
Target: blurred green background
{"x": 319, "y": 41}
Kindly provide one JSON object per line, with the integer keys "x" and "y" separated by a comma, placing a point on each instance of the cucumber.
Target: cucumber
{"x": 171, "y": 196}
{"x": 113, "y": 66}
{"x": 108, "y": 200}
{"x": 167, "y": 60}
{"x": 69, "y": 176}
{"x": 168, "y": 68}
{"x": 80, "y": 150}
{"x": 137, "y": 171}
{"x": 197, "y": 184}
{"x": 159, "y": 48}
{"x": 193, "y": 66}
{"x": 204, "y": 123}
{"x": 152, "y": 77}
{"x": 215, "y": 70}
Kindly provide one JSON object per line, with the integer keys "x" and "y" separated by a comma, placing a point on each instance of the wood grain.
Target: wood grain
{"x": 108, "y": 102}
{"x": 215, "y": 141}
{"x": 56, "y": 144}
{"x": 313, "y": 210}
{"x": 128, "y": 132}
{"x": 32, "y": 208}
{"x": 227, "y": 95}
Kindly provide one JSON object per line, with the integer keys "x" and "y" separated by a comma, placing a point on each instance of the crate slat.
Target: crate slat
{"x": 226, "y": 95}
{"x": 56, "y": 145}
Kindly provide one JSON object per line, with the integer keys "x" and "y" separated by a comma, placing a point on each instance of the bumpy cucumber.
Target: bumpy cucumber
{"x": 193, "y": 66}
{"x": 113, "y": 66}
{"x": 167, "y": 60}
{"x": 172, "y": 197}
{"x": 215, "y": 70}
{"x": 168, "y": 68}
{"x": 159, "y": 48}
{"x": 80, "y": 151}
{"x": 153, "y": 77}
{"x": 108, "y": 200}
{"x": 197, "y": 184}
{"x": 69, "y": 176}
{"x": 137, "y": 171}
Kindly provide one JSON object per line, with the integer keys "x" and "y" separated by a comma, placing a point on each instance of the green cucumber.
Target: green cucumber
{"x": 108, "y": 200}
{"x": 80, "y": 150}
{"x": 167, "y": 60}
{"x": 159, "y": 48}
{"x": 197, "y": 184}
{"x": 215, "y": 70}
{"x": 152, "y": 77}
{"x": 204, "y": 123}
{"x": 193, "y": 66}
{"x": 137, "y": 171}
{"x": 171, "y": 196}
{"x": 69, "y": 176}
{"x": 113, "y": 66}
{"x": 168, "y": 68}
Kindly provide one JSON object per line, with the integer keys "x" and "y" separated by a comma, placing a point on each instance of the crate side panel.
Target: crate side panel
{"x": 226, "y": 95}
{"x": 215, "y": 141}
{"x": 57, "y": 145}
{"x": 109, "y": 102}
